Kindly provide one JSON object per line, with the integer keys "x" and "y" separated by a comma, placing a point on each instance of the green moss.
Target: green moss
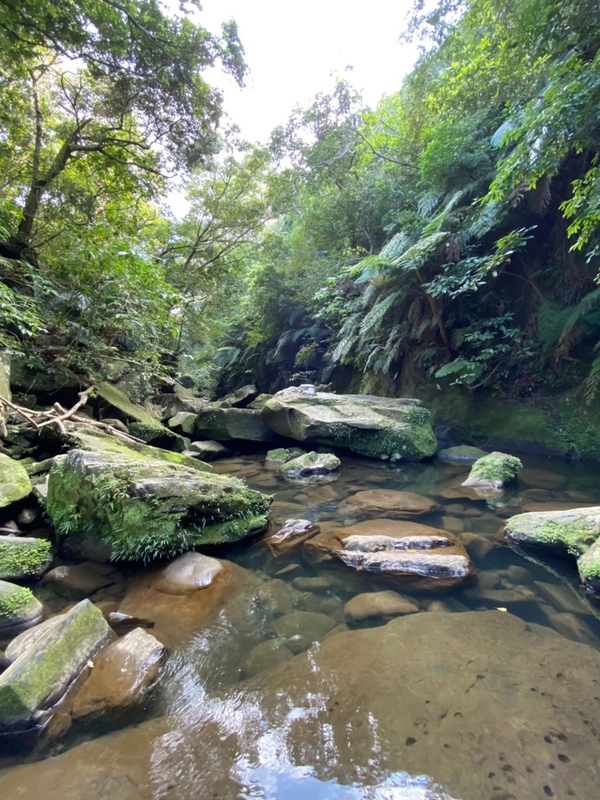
{"x": 117, "y": 398}
{"x": 496, "y": 467}
{"x": 555, "y": 530}
{"x": 283, "y": 454}
{"x": 24, "y": 559}
{"x": 14, "y": 481}
{"x": 12, "y": 604}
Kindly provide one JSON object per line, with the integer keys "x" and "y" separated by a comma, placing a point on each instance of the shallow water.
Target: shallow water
{"x": 360, "y": 714}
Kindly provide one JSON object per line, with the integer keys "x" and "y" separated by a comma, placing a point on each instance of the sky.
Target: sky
{"x": 296, "y": 49}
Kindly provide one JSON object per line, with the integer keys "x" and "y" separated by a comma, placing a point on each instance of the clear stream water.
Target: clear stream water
{"x": 227, "y": 722}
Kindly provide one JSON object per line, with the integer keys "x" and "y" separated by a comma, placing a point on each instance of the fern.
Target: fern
{"x": 416, "y": 255}
{"x": 376, "y": 314}
{"x": 347, "y": 338}
{"x": 550, "y": 324}
{"x": 395, "y": 247}
{"x": 589, "y": 303}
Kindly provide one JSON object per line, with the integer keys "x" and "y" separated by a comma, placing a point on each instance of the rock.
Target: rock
{"x": 265, "y": 655}
{"x": 282, "y": 455}
{"x": 188, "y": 573}
{"x": 77, "y": 579}
{"x": 180, "y": 399}
{"x": 21, "y": 643}
{"x": 241, "y": 398}
{"x": 502, "y": 597}
{"x": 4, "y": 389}
{"x": 372, "y": 426}
{"x": 372, "y": 605}
{"x": 477, "y": 546}
{"x": 310, "y": 464}
{"x": 387, "y": 503}
{"x": 379, "y": 695}
{"x": 564, "y": 598}
{"x": 300, "y": 629}
{"x": 319, "y": 583}
{"x": 18, "y": 609}
{"x": 462, "y": 453}
{"x": 24, "y": 557}
{"x": 453, "y": 524}
{"x": 148, "y": 509}
{"x": 209, "y": 450}
{"x": 588, "y": 565}
{"x": 493, "y": 471}
{"x": 184, "y": 420}
{"x": 224, "y": 424}
{"x": 14, "y": 481}
{"x": 123, "y": 676}
{"x": 571, "y": 627}
{"x": 36, "y": 680}
{"x": 567, "y": 532}
{"x": 276, "y": 598}
{"x": 542, "y": 478}
{"x": 290, "y": 535}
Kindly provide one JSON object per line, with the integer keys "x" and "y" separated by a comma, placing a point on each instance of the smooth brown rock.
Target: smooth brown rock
{"x": 320, "y": 583}
{"x": 78, "y": 579}
{"x": 389, "y": 700}
{"x": 301, "y": 628}
{"x": 372, "y": 605}
{"x": 122, "y": 677}
{"x": 265, "y": 655}
{"x": 387, "y": 503}
{"x": 291, "y": 534}
{"x": 188, "y": 573}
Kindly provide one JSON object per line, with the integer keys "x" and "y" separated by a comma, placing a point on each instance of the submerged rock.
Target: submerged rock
{"x": 387, "y": 503}
{"x": 18, "y": 609}
{"x": 379, "y": 427}
{"x": 14, "y": 481}
{"x": 299, "y": 629}
{"x": 374, "y": 605}
{"x": 77, "y": 579}
{"x": 463, "y": 454}
{"x": 40, "y": 676}
{"x": 472, "y": 706}
{"x": 148, "y": 509}
{"x": 24, "y": 557}
{"x": 310, "y": 464}
{"x": 265, "y": 655}
{"x": 493, "y": 471}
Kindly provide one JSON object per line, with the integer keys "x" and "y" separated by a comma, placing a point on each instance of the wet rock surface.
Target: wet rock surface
{"x": 387, "y": 503}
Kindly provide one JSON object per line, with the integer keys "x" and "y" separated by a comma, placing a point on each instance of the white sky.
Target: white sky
{"x": 293, "y": 47}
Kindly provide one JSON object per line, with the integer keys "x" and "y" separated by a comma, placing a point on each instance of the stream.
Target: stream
{"x": 273, "y": 690}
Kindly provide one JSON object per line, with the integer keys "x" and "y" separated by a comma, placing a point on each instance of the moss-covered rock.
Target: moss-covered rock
{"x": 14, "y": 481}
{"x": 494, "y": 471}
{"x": 310, "y": 464}
{"x": 567, "y": 532}
{"x": 18, "y": 609}
{"x": 146, "y": 509}
{"x": 94, "y": 440}
{"x": 184, "y": 420}
{"x": 589, "y": 568}
{"x": 24, "y": 557}
{"x": 224, "y": 424}
{"x": 38, "y": 678}
{"x": 372, "y": 426}
{"x": 463, "y": 454}
{"x": 281, "y": 455}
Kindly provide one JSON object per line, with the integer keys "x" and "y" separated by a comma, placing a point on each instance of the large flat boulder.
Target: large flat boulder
{"x": 388, "y": 503}
{"x": 379, "y": 427}
{"x": 41, "y": 675}
{"x": 142, "y": 509}
{"x": 475, "y": 706}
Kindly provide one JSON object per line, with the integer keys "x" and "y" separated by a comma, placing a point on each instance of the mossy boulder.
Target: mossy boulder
{"x": 372, "y": 426}
{"x": 41, "y": 675}
{"x": 462, "y": 454}
{"x": 310, "y": 464}
{"x": 225, "y": 424}
{"x": 494, "y": 471}
{"x": 589, "y": 568}
{"x": 184, "y": 421}
{"x": 281, "y": 455}
{"x": 143, "y": 509}
{"x": 569, "y": 532}
{"x": 24, "y": 557}
{"x": 18, "y": 609}
{"x": 14, "y": 481}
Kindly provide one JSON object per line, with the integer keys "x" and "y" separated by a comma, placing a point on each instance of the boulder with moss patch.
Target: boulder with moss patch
{"x": 589, "y": 568}
{"x": 310, "y": 464}
{"x": 379, "y": 427}
{"x": 281, "y": 456}
{"x": 463, "y": 453}
{"x": 24, "y": 557}
{"x": 142, "y": 509}
{"x": 18, "y": 609}
{"x": 494, "y": 471}
{"x": 41, "y": 675}
{"x": 568, "y": 532}
{"x": 14, "y": 481}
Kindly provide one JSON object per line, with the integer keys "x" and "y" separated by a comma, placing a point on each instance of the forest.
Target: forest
{"x": 445, "y": 241}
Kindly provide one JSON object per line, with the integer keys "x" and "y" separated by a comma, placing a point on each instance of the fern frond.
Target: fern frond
{"x": 428, "y": 203}
{"x": 416, "y": 255}
{"x": 395, "y": 247}
{"x": 347, "y": 338}
{"x": 589, "y": 303}
{"x": 376, "y": 314}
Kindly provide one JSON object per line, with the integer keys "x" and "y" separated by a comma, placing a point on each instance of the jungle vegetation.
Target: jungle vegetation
{"x": 455, "y": 227}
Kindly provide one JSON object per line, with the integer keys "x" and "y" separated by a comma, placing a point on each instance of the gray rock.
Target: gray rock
{"x": 184, "y": 420}
{"x": 225, "y": 424}
{"x": 373, "y": 426}
{"x": 282, "y": 455}
{"x": 241, "y": 398}
{"x": 40, "y": 676}
{"x": 14, "y": 481}
{"x": 209, "y": 450}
